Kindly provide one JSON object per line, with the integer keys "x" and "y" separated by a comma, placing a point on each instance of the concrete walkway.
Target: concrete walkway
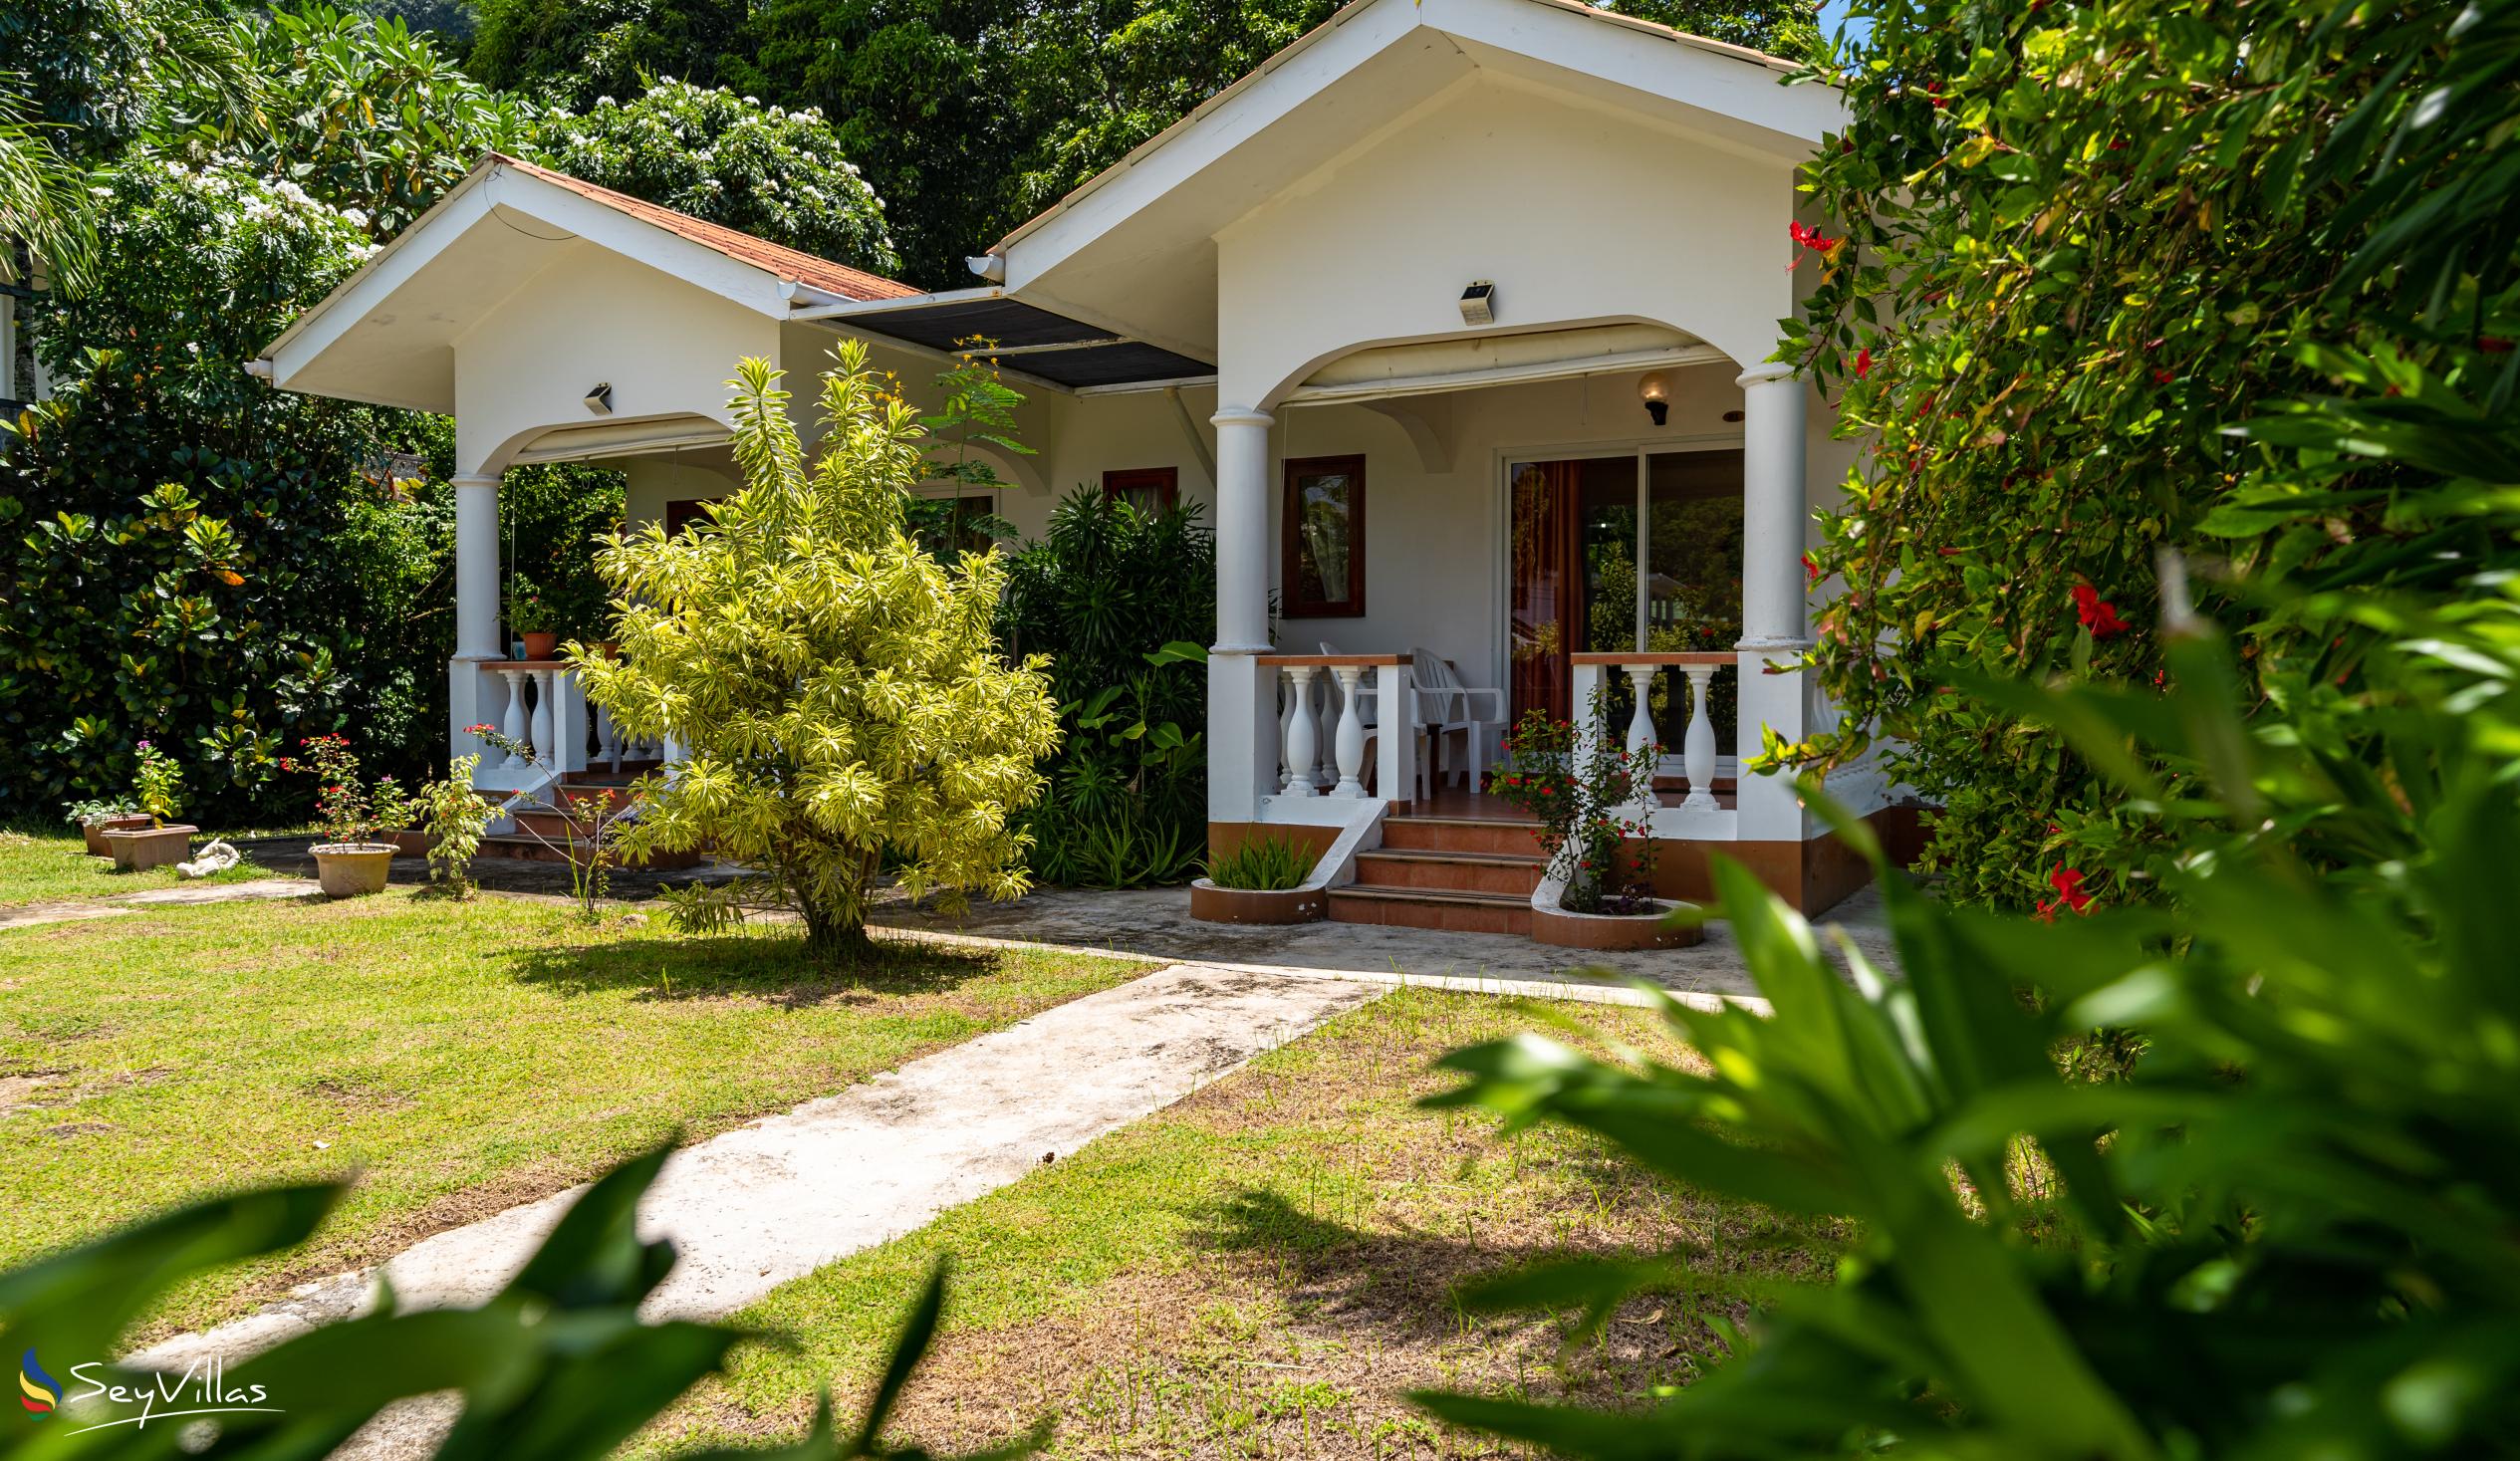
{"x": 772, "y": 1201}
{"x": 261, "y": 890}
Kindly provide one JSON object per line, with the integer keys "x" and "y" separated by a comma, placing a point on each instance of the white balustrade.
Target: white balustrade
{"x": 514, "y": 724}
{"x": 1300, "y": 730}
{"x": 1698, "y": 747}
{"x": 1326, "y": 736}
{"x": 1290, "y": 705}
{"x": 1350, "y": 736}
{"x": 1642, "y": 739}
{"x": 1395, "y": 738}
{"x": 545, "y": 690}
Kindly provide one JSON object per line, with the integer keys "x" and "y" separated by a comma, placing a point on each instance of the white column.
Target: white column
{"x": 1299, "y": 734}
{"x": 1351, "y": 737}
{"x": 477, "y": 568}
{"x": 471, "y": 693}
{"x": 1238, "y": 710}
{"x": 1774, "y": 625}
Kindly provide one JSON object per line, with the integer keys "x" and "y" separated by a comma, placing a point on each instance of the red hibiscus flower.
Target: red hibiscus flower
{"x": 1864, "y": 362}
{"x": 2098, "y": 614}
{"x": 1811, "y": 569}
{"x": 2068, "y": 883}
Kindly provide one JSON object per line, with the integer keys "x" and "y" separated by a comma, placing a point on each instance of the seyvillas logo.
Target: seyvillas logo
{"x": 38, "y": 1392}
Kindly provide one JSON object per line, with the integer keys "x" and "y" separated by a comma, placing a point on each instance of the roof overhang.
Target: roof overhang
{"x": 1034, "y": 343}
{"x": 1133, "y": 250}
{"x": 386, "y": 334}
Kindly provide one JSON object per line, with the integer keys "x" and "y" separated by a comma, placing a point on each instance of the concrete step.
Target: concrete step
{"x": 1453, "y": 912}
{"x": 1478, "y": 873}
{"x": 1492, "y": 836}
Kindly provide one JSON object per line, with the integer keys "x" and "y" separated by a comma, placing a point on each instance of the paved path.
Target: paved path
{"x": 774, "y": 1200}
{"x": 31, "y": 915}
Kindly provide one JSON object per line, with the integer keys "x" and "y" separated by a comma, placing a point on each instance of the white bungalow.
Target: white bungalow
{"x": 1496, "y": 278}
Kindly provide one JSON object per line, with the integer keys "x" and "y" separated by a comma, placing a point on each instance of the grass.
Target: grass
{"x": 459, "y": 1057}
{"x": 45, "y": 866}
{"x": 1263, "y": 1269}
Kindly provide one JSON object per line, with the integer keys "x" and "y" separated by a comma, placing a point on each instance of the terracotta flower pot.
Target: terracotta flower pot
{"x": 96, "y": 828}
{"x": 349, "y": 870}
{"x": 145, "y": 846}
{"x": 541, "y": 644}
{"x": 1553, "y": 925}
{"x": 1212, "y": 905}
{"x": 610, "y": 649}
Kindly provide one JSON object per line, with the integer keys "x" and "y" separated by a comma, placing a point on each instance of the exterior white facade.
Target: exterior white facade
{"x": 1626, "y": 192}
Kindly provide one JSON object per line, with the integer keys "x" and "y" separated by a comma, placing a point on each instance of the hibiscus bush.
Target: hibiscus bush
{"x": 2098, "y": 279}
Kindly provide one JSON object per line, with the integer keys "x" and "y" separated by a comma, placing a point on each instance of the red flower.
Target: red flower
{"x": 1933, "y": 88}
{"x": 2098, "y": 614}
{"x": 479, "y": 730}
{"x": 2163, "y": 378}
{"x": 2068, "y": 883}
{"x": 2493, "y": 345}
{"x": 1864, "y": 362}
{"x": 1811, "y": 569}
{"x": 1810, "y": 237}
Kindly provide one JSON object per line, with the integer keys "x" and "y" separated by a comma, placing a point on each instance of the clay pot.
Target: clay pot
{"x": 140, "y": 846}
{"x": 1553, "y": 925}
{"x": 96, "y": 828}
{"x": 350, "y": 869}
{"x": 542, "y": 644}
{"x": 1212, "y": 905}
{"x": 610, "y": 649}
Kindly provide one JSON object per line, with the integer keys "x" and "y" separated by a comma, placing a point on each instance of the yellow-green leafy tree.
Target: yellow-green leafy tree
{"x": 837, "y": 695}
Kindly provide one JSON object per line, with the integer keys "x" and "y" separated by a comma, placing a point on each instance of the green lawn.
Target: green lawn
{"x": 459, "y": 1056}
{"x": 44, "y": 866}
{"x": 1263, "y": 1269}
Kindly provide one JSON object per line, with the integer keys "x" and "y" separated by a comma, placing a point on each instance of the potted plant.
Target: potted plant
{"x": 1598, "y": 892}
{"x": 530, "y": 617}
{"x": 158, "y": 788}
{"x": 95, "y": 818}
{"x": 1265, "y": 879}
{"x": 350, "y": 859}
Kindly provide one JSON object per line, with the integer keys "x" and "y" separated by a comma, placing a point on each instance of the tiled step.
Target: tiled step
{"x": 1480, "y": 872}
{"x": 554, "y": 845}
{"x": 1454, "y": 912}
{"x": 1475, "y": 834}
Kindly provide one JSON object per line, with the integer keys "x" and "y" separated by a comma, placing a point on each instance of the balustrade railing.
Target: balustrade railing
{"x": 546, "y": 708}
{"x": 1697, "y": 743}
{"x": 1322, "y": 732}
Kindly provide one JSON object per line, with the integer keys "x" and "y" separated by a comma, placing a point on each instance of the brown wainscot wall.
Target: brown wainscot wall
{"x": 1813, "y": 876}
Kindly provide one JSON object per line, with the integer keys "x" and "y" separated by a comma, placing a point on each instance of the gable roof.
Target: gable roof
{"x": 811, "y": 270}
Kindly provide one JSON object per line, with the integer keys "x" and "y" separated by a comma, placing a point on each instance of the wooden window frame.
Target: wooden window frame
{"x": 1290, "y": 546}
{"x": 1166, "y": 480}
{"x": 685, "y": 510}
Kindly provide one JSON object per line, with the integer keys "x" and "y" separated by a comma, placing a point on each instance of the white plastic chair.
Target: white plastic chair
{"x": 1448, "y": 705}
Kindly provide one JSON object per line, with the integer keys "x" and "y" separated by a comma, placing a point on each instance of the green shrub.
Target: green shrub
{"x": 2079, "y": 264}
{"x": 1122, "y": 601}
{"x": 1265, "y": 864}
{"x": 837, "y": 693}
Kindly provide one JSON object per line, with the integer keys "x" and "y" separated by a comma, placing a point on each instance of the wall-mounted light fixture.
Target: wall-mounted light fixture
{"x": 1655, "y": 392}
{"x": 1479, "y": 303}
{"x": 600, "y": 400}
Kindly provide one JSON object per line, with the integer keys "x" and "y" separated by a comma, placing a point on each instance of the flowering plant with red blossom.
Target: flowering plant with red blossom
{"x": 347, "y": 810}
{"x": 1597, "y": 841}
{"x": 2096, "y": 613}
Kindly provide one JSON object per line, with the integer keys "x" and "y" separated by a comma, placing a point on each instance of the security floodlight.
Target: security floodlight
{"x": 1479, "y": 303}
{"x": 600, "y": 400}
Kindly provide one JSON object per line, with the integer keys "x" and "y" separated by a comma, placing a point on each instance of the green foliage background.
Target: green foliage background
{"x": 2080, "y": 261}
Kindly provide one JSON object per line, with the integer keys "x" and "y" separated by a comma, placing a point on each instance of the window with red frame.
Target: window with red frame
{"x": 1322, "y": 568}
{"x": 1147, "y": 488}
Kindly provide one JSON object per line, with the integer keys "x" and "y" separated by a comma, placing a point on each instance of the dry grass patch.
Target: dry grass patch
{"x": 1266, "y": 1268}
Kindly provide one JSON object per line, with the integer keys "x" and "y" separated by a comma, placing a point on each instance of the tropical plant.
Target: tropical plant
{"x": 454, "y": 816}
{"x": 96, "y": 74}
{"x": 522, "y": 605}
{"x": 593, "y": 822}
{"x": 2282, "y": 1232}
{"x": 557, "y": 1364}
{"x": 169, "y": 563}
{"x": 838, "y": 694}
{"x": 1122, "y": 601}
{"x": 43, "y": 199}
{"x": 348, "y": 810}
{"x": 2095, "y": 278}
{"x": 1267, "y": 863}
{"x": 1583, "y": 787}
{"x": 92, "y": 809}
{"x": 158, "y": 786}
{"x": 775, "y": 173}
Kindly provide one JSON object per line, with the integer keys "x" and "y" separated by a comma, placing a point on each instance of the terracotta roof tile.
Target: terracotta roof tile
{"x": 778, "y": 259}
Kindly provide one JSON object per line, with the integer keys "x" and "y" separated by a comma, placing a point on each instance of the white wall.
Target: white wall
{"x": 665, "y": 347}
{"x": 1577, "y": 215}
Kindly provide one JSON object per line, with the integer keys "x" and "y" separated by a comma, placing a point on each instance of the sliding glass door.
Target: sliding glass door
{"x": 1639, "y": 551}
